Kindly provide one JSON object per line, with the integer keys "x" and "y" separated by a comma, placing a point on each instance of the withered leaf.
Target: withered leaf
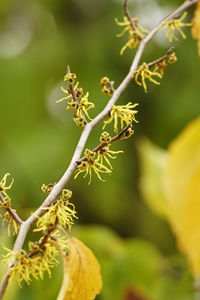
{"x": 82, "y": 278}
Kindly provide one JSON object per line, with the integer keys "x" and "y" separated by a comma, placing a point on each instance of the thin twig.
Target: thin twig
{"x": 126, "y": 12}
{"x": 25, "y": 226}
{"x": 159, "y": 60}
{"x": 74, "y": 96}
{"x": 71, "y": 88}
{"x": 102, "y": 145}
{"x": 12, "y": 212}
{"x": 43, "y": 241}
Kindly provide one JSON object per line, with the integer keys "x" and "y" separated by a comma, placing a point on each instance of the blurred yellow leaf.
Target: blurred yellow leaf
{"x": 195, "y": 30}
{"x": 152, "y": 161}
{"x": 82, "y": 278}
{"x": 182, "y": 190}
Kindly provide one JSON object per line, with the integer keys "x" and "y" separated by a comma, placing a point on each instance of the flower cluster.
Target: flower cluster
{"x": 40, "y": 259}
{"x": 77, "y": 102}
{"x": 105, "y": 153}
{"x": 172, "y": 58}
{"x": 12, "y": 225}
{"x": 175, "y": 24}
{"x": 125, "y": 113}
{"x": 90, "y": 164}
{"x": 160, "y": 66}
{"x": 5, "y": 202}
{"x": 105, "y": 137}
{"x": 96, "y": 160}
{"x": 135, "y": 30}
{"x": 61, "y": 212}
{"x": 145, "y": 73}
{"x": 107, "y": 86}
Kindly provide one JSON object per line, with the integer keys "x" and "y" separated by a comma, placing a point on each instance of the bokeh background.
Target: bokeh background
{"x": 38, "y": 38}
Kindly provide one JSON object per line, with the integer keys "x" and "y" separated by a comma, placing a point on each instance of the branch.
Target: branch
{"x": 25, "y": 226}
{"x": 126, "y": 12}
{"x": 159, "y": 60}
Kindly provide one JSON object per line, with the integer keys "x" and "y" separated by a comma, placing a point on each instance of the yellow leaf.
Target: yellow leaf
{"x": 82, "y": 278}
{"x": 195, "y": 30}
{"x": 152, "y": 162}
{"x": 182, "y": 190}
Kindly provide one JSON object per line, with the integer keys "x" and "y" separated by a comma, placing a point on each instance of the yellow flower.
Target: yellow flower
{"x": 125, "y": 113}
{"x": 79, "y": 120}
{"x": 69, "y": 95}
{"x": 20, "y": 269}
{"x": 107, "y": 86}
{"x": 47, "y": 188}
{"x": 5, "y": 202}
{"x": 7, "y": 218}
{"x": 144, "y": 72}
{"x": 135, "y": 34}
{"x": 70, "y": 77}
{"x": 104, "y": 154}
{"x": 73, "y": 105}
{"x": 127, "y": 134}
{"x": 80, "y": 108}
{"x": 62, "y": 211}
{"x": 175, "y": 24}
{"x": 160, "y": 67}
{"x": 89, "y": 165}
{"x": 84, "y": 106}
{"x": 105, "y": 137}
{"x": 3, "y": 186}
{"x": 107, "y": 91}
{"x": 66, "y": 194}
{"x": 172, "y": 58}
{"x": 104, "y": 81}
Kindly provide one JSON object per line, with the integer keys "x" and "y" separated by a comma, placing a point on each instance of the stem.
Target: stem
{"x": 25, "y": 226}
{"x": 127, "y": 14}
{"x": 159, "y": 60}
{"x": 43, "y": 241}
{"x": 100, "y": 146}
{"x": 73, "y": 94}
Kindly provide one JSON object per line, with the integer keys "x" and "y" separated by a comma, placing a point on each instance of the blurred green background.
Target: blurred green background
{"x": 38, "y": 38}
